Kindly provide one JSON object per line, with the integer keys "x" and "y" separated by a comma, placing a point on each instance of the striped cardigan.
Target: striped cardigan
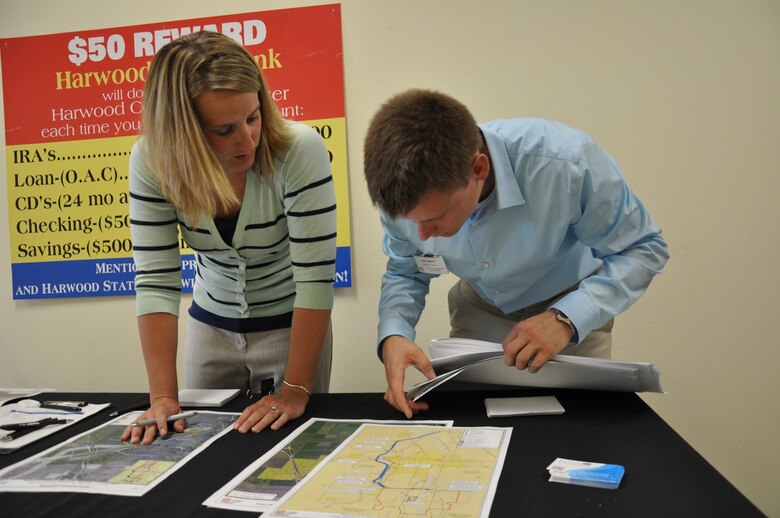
{"x": 283, "y": 253}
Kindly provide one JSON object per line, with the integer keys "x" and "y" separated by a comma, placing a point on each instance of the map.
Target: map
{"x": 265, "y": 481}
{"x": 97, "y": 462}
{"x": 389, "y": 471}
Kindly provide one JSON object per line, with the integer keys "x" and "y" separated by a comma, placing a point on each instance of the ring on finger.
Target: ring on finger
{"x": 276, "y": 409}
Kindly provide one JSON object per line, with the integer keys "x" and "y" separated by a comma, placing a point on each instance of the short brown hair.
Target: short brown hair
{"x": 177, "y": 152}
{"x": 418, "y": 141}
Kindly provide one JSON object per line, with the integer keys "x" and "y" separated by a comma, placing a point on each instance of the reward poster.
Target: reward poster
{"x": 72, "y": 105}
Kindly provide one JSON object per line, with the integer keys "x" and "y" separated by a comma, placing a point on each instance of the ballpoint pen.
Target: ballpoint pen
{"x": 174, "y": 417}
{"x": 19, "y": 429}
{"x": 62, "y": 405}
{"x": 67, "y": 403}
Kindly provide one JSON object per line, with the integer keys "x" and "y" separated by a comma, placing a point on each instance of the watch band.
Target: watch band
{"x": 561, "y": 316}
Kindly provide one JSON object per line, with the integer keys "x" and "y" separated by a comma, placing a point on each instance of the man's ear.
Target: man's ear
{"x": 481, "y": 167}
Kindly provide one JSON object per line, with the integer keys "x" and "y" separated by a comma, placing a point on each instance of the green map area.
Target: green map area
{"x": 287, "y": 467}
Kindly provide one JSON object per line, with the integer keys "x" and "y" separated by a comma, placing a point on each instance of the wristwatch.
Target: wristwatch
{"x": 560, "y": 315}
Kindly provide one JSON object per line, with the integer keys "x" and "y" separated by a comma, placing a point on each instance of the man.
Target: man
{"x": 546, "y": 237}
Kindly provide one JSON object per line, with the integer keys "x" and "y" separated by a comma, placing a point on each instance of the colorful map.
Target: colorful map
{"x": 267, "y": 480}
{"x": 389, "y": 471}
{"x": 97, "y": 462}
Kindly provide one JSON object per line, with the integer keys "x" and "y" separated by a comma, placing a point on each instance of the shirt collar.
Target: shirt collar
{"x": 506, "y": 187}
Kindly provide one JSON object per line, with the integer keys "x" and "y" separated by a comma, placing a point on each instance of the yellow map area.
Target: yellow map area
{"x": 288, "y": 472}
{"x": 390, "y": 471}
{"x": 142, "y": 472}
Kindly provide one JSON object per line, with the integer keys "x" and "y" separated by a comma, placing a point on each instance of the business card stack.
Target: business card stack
{"x": 581, "y": 473}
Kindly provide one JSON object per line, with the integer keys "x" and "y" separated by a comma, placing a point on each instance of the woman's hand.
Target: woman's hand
{"x": 273, "y": 410}
{"x": 160, "y": 410}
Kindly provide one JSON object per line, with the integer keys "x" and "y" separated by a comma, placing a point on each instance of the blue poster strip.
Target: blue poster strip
{"x": 62, "y": 279}
{"x": 111, "y": 277}
{"x": 343, "y": 267}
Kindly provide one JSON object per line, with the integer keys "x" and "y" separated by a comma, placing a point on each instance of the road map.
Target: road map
{"x": 264, "y": 482}
{"x": 390, "y": 471}
{"x": 97, "y": 462}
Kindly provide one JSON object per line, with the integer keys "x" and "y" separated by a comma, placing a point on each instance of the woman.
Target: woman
{"x": 253, "y": 196}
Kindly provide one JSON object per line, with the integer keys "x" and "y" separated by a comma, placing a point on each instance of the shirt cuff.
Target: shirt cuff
{"x": 580, "y": 311}
{"x": 313, "y": 295}
{"x": 390, "y": 328}
{"x": 151, "y": 300}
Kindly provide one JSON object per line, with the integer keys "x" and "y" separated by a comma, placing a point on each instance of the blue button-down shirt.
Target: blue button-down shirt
{"x": 560, "y": 211}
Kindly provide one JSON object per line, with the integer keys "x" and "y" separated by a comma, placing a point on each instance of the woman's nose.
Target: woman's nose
{"x": 245, "y": 136}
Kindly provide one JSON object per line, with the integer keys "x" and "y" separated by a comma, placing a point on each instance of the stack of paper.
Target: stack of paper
{"x": 592, "y": 474}
{"x": 206, "y": 397}
{"x": 515, "y": 406}
{"x": 482, "y": 362}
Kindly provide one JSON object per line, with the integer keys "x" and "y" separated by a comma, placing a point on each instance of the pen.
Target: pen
{"x": 60, "y": 406}
{"x": 18, "y": 429}
{"x": 174, "y": 417}
{"x": 66, "y": 403}
{"x": 32, "y": 424}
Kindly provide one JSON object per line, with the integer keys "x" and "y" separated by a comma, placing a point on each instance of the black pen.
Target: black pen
{"x": 61, "y": 406}
{"x": 19, "y": 429}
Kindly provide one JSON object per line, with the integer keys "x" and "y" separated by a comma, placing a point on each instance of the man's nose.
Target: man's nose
{"x": 424, "y": 230}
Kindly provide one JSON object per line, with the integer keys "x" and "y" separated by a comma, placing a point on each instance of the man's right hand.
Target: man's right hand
{"x": 398, "y": 353}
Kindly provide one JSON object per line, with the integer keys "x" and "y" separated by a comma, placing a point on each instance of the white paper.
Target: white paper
{"x": 477, "y": 361}
{"x": 16, "y": 413}
{"x": 515, "y": 406}
{"x": 206, "y": 397}
{"x": 9, "y": 394}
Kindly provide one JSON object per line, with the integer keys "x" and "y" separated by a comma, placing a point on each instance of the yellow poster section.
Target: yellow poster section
{"x": 69, "y": 200}
{"x": 334, "y": 134}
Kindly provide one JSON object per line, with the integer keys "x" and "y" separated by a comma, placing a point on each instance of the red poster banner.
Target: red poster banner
{"x": 72, "y": 106}
{"x": 89, "y": 84}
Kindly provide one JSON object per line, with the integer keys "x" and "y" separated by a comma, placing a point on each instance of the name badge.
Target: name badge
{"x": 431, "y": 263}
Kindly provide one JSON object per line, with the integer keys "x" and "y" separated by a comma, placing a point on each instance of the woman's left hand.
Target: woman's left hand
{"x": 273, "y": 410}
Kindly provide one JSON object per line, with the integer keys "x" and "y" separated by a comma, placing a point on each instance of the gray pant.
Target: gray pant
{"x": 472, "y": 317}
{"x": 215, "y": 358}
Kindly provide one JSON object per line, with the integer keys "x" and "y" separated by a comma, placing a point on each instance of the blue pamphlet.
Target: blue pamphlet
{"x": 593, "y": 474}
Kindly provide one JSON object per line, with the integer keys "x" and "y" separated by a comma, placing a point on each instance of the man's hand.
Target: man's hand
{"x": 398, "y": 353}
{"x": 535, "y": 340}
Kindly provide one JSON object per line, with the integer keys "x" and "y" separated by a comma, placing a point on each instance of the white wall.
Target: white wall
{"x": 684, "y": 94}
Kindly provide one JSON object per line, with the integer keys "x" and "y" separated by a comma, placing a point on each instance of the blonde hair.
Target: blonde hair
{"x": 177, "y": 152}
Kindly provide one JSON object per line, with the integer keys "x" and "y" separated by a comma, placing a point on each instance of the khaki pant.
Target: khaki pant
{"x": 216, "y": 358}
{"x": 472, "y": 317}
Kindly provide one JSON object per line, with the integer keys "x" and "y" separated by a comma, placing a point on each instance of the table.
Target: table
{"x": 664, "y": 475}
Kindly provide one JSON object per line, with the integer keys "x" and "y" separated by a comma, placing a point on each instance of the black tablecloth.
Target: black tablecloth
{"x": 664, "y": 475}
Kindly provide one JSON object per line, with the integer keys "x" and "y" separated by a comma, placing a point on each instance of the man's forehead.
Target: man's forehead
{"x": 431, "y": 206}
